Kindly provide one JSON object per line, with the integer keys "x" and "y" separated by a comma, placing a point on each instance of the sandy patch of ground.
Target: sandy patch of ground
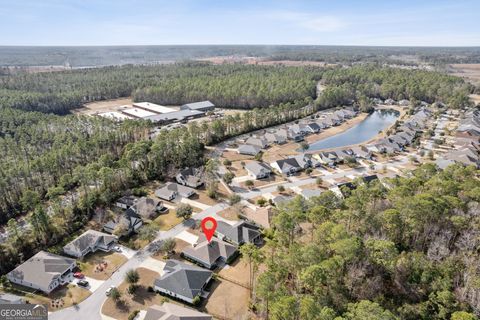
{"x": 231, "y": 213}
{"x": 234, "y": 156}
{"x": 220, "y": 303}
{"x": 141, "y": 300}
{"x": 102, "y": 106}
{"x": 101, "y": 265}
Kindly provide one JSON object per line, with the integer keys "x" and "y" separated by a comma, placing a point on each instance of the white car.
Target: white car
{"x": 109, "y": 290}
{"x": 117, "y": 249}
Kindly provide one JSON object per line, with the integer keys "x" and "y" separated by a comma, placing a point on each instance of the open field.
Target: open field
{"x": 469, "y": 71}
{"x": 101, "y": 265}
{"x": 141, "y": 300}
{"x": 102, "y": 106}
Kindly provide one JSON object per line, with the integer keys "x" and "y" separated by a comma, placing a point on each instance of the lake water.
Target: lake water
{"x": 363, "y": 131}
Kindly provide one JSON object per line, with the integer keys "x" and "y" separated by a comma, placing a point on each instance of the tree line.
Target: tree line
{"x": 354, "y": 83}
{"x": 409, "y": 251}
{"x": 240, "y": 86}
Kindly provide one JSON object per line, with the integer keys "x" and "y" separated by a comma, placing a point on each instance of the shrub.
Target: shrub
{"x": 196, "y": 300}
{"x": 261, "y": 202}
{"x": 227, "y": 162}
{"x": 281, "y": 188}
{"x": 234, "y": 198}
{"x": 249, "y": 183}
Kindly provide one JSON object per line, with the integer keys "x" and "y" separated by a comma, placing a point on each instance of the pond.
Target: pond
{"x": 363, "y": 131}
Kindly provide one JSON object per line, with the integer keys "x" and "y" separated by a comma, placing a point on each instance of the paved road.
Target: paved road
{"x": 90, "y": 308}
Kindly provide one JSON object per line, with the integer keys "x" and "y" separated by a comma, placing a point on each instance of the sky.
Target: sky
{"x": 319, "y": 22}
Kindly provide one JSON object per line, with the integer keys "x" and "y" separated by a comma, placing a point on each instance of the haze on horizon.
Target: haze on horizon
{"x": 149, "y": 22}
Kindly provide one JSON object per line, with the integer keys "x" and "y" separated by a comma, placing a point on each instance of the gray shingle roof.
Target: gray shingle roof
{"x": 241, "y": 232}
{"x": 257, "y": 167}
{"x": 89, "y": 238}
{"x": 209, "y": 252}
{"x": 170, "y": 311}
{"x": 42, "y": 269}
{"x": 183, "y": 279}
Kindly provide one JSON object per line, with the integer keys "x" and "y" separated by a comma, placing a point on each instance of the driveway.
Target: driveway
{"x": 91, "y": 307}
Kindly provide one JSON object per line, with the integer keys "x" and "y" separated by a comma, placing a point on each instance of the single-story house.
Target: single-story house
{"x": 239, "y": 233}
{"x": 286, "y": 166}
{"x": 209, "y": 254}
{"x": 171, "y": 190}
{"x": 258, "y": 142}
{"x": 303, "y": 160}
{"x": 248, "y": 149}
{"x": 147, "y": 207}
{"x": 190, "y": 177}
{"x": 322, "y": 124}
{"x": 129, "y": 220}
{"x": 171, "y": 311}
{"x": 390, "y": 102}
{"x": 199, "y": 106}
{"x": 44, "y": 271}
{"x": 275, "y": 138}
{"x": 295, "y": 136}
{"x": 90, "y": 241}
{"x": 404, "y": 102}
{"x": 309, "y": 193}
{"x": 183, "y": 281}
{"x": 126, "y": 202}
{"x": 362, "y": 152}
{"x": 278, "y": 200}
{"x": 258, "y": 170}
{"x": 299, "y": 129}
{"x": 313, "y": 127}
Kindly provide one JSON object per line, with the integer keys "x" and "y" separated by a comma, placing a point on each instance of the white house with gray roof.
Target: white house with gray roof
{"x": 248, "y": 149}
{"x": 286, "y": 166}
{"x": 258, "y": 170}
{"x": 171, "y": 190}
{"x": 44, "y": 271}
{"x": 90, "y": 241}
{"x": 183, "y": 281}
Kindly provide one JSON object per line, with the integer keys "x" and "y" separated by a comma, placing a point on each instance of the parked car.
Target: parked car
{"x": 83, "y": 283}
{"x": 117, "y": 249}
{"x": 109, "y": 290}
{"x": 79, "y": 275}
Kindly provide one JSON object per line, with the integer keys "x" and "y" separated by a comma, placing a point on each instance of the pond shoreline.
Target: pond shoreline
{"x": 380, "y": 115}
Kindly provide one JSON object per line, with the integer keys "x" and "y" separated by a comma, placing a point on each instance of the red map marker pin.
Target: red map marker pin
{"x": 209, "y": 225}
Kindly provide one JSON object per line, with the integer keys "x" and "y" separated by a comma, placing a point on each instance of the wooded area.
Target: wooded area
{"x": 407, "y": 252}
{"x": 230, "y": 86}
